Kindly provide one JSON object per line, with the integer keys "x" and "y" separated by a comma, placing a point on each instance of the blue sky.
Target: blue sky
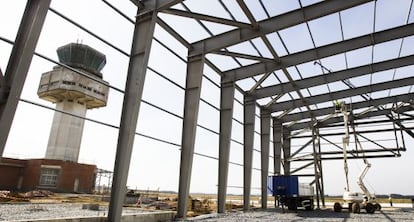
{"x": 156, "y": 165}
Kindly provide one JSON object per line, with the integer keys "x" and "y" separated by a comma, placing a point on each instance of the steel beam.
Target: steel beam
{"x": 301, "y": 168}
{"x": 226, "y": 117}
{"x": 358, "y": 105}
{"x": 334, "y": 76}
{"x": 243, "y": 56}
{"x": 342, "y": 94}
{"x": 2, "y": 82}
{"x": 208, "y": 18}
{"x": 138, "y": 62}
{"x": 349, "y": 157}
{"x": 191, "y": 106}
{"x": 272, "y": 25}
{"x": 321, "y": 52}
{"x": 301, "y": 148}
{"x": 148, "y": 6}
{"x": 277, "y": 145}
{"x": 264, "y": 141}
{"x": 19, "y": 63}
{"x": 351, "y": 152}
{"x": 286, "y": 150}
{"x": 358, "y": 132}
{"x": 248, "y": 13}
{"x": 339, "y": 119}
{"x": 172, "y": 32}
{"x": 399, "y": 124}
{"x": 248, "y": 142}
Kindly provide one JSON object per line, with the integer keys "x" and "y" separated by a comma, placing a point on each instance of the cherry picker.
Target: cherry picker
{"x": 354, "y": 201}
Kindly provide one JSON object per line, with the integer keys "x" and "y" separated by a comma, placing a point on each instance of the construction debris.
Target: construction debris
{"x": 7, "y": 196}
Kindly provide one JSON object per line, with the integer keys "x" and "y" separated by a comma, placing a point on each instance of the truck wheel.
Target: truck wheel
{"x": 377, "y": 206}
{"x": 337, "y": 207}
{"x": 370, "y": 208}
{"x": 309, "y": 207}
{"x": 291, "y": 204}
{"x": 356, "y": 209}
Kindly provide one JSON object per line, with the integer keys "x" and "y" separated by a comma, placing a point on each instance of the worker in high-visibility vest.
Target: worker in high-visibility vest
{"x": 390, "y": 199}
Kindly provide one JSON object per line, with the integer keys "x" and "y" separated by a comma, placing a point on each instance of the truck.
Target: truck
{"x": 290, "y": 193}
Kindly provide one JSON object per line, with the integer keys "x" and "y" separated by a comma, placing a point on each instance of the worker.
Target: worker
{"x": 390, "y": 199}
{"x": 337, "y": 106}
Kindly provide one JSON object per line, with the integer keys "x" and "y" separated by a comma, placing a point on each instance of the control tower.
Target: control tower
{"x": 73, "y": 93}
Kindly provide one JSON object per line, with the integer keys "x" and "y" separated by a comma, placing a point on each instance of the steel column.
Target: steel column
{"x": 249, "y": 119}
{"x": 322, "y": 185}
{"x": 226, "y": 117}
{"x": 191, "y": 105}
{"x": 286, "y": 150}
{"x": 316, "y": 168}
{"x": 277, "y": 145}
{"x": 140, "y": 51}
{"x": 264, "y": 140}
{"x": 20, "y": 59}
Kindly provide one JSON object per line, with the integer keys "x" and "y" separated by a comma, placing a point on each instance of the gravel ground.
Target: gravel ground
{"x": 23, "y": 212}
{"x": 388, "y": 215}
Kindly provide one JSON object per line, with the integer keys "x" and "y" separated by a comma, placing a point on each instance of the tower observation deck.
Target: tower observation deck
{"x": 73, "y": 93}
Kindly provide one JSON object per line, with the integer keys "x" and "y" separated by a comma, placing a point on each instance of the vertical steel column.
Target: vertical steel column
{"x": 191, "y": 105}
{"x": 316, "y": 167}
{"x": 21, "y": 56}
{"x": 248, "y": 139}
{"x": 321, "y": 184}
{"x": 286, "y": 150}
{"x": 277, "y": 145}
{"x": 264, "y": 140}
{"x": 226, "y": 117}
{"x": 140, "y": 51}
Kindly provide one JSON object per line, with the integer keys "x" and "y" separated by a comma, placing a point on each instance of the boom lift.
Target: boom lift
{"x": 355, "y": 201}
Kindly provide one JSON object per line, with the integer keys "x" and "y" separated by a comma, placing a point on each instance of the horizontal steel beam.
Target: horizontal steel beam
{"x": 333, "y": 77}
{"x": 373, "y": 114}
{"x": 321, "y": 52}
{"x": 337, "y": 119}
{"x": 340, "y": 152}
{"x": 328, "y": 97}
{"x": 358, "y": 105}
{"x": 147, "y": 6}
{"x": 358, "y": 132}
{"x": 273, "y": 24}
{"x": 369, "y": 122}
{"x": 206, "y": 18}
{"x": 304, "y": 175}
{"x": 350, "y": 157}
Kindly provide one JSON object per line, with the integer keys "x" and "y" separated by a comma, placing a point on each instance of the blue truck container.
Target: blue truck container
{"x": 284, "y": 185}
{"x": 289, "y": 192}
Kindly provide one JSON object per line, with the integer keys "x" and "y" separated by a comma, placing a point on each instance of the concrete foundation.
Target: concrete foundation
{"x": 142, "y": 217}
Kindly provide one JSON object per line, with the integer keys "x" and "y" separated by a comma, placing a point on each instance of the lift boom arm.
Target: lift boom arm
{"x": 360, "y": 180}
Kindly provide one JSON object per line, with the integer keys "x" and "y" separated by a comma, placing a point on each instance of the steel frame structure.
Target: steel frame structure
{"x": 274, "y": 114}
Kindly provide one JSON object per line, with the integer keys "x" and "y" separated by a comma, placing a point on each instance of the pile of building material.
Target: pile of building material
{"x": 7, "y": 196}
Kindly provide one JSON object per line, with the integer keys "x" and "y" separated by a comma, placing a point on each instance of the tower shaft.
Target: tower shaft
{"x": 66, "y": 132}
